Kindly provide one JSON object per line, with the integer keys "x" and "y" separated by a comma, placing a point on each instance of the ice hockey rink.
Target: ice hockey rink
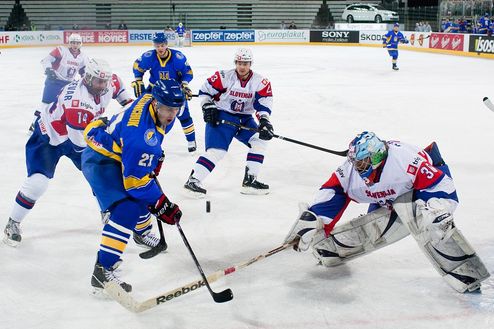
{"x": 323, "y": 95}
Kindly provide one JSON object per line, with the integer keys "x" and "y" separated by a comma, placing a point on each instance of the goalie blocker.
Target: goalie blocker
{"x": 444, "y": 245}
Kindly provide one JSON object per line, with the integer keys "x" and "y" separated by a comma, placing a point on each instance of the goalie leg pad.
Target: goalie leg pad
{"x": 360, "y": 236}
{"x": 447, "y": 249}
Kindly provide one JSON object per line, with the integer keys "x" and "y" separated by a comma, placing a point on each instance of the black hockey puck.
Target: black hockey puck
{"x": 208, "y": 206}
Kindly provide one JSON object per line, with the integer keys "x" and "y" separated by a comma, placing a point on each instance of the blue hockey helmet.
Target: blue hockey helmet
{"x": 396, "y": 24}
{"x": 367, "y": 152}
{"x": 160, "y": 37}
{"x": 169, "y": 93}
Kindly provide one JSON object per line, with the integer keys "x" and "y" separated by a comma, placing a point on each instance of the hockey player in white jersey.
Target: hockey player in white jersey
{"x": 58, "y": 132}
{"x": 234, "y": 95}
{"x": 413, "y": 192}
{"x": 62, "y": 66}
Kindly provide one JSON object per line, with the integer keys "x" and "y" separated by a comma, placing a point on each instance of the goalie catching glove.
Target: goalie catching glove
{"x": 186, "y": 90}
{"x": 166, "y": 210}
{"x": 138, "y": 87}
{"x": 210, "y": 113}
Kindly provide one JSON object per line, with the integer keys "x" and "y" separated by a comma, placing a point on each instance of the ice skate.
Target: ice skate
{"x": 395, "y": 67}
{"x": 147, "y": 240}
{"x": 192, "y": 147}
{"x": 251, "y": 185}
{"x": 102, "y": 275}
{"x": 193, "y": 188}
{"x": 12, "y": 233}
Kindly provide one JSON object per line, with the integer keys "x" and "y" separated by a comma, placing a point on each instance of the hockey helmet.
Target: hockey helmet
{"x": 180, "y": 24}
{"x": 75, "y": 39}
{"x": 243, "y": 55}
{"x": 169, "y": 93}
{"x": 160, "y": 37}
{"x": 367, "y": 152}
{"x": 97, "y": 69}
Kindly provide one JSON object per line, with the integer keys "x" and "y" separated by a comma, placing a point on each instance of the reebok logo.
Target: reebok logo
{"x": 183, "y": 291}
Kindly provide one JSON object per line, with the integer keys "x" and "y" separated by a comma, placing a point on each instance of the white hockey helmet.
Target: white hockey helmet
{"x": 75, "y": 37}
{"x": 180, "y": 24}
{"x": 243, "y": 55}
{"x": 97, "y": 68}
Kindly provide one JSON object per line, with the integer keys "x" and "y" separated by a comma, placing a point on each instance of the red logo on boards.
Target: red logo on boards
{"x": 75, "y": 103}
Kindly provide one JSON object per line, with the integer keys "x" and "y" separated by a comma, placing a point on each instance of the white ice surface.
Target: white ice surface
{"x": 322, "y": 95}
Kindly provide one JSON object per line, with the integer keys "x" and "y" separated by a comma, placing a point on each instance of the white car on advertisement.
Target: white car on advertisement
{"x": 368, "y": 13}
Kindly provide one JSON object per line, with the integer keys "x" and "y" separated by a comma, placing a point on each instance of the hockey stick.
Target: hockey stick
{"x": 488, "y": 103}
{"x": 126, "y": 300}
{"x": 340, "y": 153}
{"x": 219, "y": 297}
{"x": 161, "y": 246}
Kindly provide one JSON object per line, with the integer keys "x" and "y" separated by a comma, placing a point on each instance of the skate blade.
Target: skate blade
{"x": 195, "y": 195}
{"x": 253, "y": 191}
{"x": 11, "y": 243}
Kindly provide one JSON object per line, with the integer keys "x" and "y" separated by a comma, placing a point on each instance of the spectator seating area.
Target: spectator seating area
{"x": 158, "y": 14}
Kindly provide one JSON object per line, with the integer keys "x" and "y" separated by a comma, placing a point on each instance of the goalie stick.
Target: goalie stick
{"x": 126, "y": 300}
{"x": 488, "y": 103}
{"x": 340, "y": 153}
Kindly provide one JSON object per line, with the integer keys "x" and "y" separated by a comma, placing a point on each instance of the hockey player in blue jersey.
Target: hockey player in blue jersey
{"x": 165, "y": 63}
{"x": 391, "y": 41}
{"x": 122, "y": 155}
{"x": 180, "y": 34}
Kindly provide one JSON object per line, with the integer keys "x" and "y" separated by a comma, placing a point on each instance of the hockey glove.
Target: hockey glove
{"x": 50, "y": 73}
{"x": 138, "y": 87}
{"x": 186, "y": 90}
{"x": 210, "y": 113}
{"x": 266, "y": 130}
{"x": 157, "y": 170}
{"x": 166, "y": 210}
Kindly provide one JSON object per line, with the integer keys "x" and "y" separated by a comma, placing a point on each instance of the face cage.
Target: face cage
{"x": 363, "y": 167}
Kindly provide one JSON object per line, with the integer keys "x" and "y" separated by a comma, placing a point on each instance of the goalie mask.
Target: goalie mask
{"x": 97, "y": 76}
{"x": 366, "y": 153}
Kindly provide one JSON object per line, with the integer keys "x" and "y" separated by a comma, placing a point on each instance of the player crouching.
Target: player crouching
{"x": 413, "y": 192}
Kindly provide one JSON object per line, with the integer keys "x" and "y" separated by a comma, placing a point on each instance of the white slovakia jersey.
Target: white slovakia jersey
{"x": 65, "y": 64}
{"x": 76, "y": 108}
{"x": 253, "y": 95}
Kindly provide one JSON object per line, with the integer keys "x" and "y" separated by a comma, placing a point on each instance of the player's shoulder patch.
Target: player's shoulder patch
{"x": 179, "y": 55}
{"x": 148, "y": 53}
{"x": 150, "y": 137}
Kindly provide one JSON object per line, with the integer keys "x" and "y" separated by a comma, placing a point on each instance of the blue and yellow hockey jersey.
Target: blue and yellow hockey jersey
{"x": 392, "y": 38}
{"x": 133, "y": 138}
{"x": 173, "y": 66}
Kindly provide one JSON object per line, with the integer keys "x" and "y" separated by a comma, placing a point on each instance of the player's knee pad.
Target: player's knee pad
{"x": 34, "y": 186}
{"x": 257, "y": 145}
{"x": 360, "y": 236}
{"x": 126, "y": 213}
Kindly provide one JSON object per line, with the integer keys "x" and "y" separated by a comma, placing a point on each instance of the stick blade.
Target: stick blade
{"x": 224, "y": 296}
{"x": 115, "y": 291}
{"x": 488, "y": 103}
{"x": 160, "y": 247}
